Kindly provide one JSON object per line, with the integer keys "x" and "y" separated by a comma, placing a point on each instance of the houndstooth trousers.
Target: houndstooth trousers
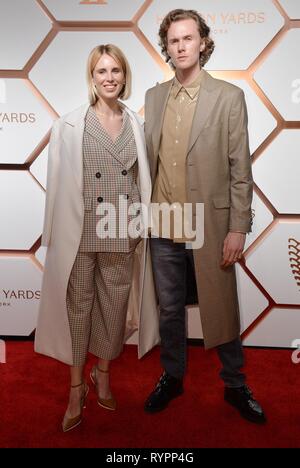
{"x": 100, "y": 280}
{"x": 97, "y": 298}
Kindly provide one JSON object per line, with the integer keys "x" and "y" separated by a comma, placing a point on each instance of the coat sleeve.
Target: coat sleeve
{"x": 52, "y": 176}
{"x": 148, "y": 102}
{"x": 241, "y": 182}
{"x": 149, "y": 116}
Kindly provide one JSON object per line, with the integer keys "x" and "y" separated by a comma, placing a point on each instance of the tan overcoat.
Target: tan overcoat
{"x": 218, "y": 174}
{"x": 63, "y": 224}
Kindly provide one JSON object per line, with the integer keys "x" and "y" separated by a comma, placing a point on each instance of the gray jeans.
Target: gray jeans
{"x": 172, "y": 262}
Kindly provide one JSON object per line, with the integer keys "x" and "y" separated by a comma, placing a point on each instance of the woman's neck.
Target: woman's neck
{"x": 108, "y": 108}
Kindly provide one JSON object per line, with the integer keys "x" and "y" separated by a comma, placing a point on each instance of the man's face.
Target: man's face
{"x": 184, "y": 44}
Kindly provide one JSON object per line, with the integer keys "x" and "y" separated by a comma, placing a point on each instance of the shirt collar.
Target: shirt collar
{"x": 192, "y": 89}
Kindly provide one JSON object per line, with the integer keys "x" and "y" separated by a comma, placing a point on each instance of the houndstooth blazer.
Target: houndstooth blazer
{"x": 109, "y": 176}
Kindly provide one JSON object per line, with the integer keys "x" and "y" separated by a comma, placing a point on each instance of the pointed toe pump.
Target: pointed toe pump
{"x": 71, "y": 423}
{"x": 107, "y": 403}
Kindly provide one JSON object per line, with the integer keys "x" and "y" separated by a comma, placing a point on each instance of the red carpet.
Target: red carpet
{"x": 34, "y": 393}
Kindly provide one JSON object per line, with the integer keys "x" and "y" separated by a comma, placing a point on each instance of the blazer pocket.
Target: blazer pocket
{"x": 88, "y": 203}
{"x": 221, "y": 202}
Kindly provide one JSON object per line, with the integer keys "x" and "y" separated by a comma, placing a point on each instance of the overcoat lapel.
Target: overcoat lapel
{"x": 207, "y": 99}
{"x": 75, "y": 124}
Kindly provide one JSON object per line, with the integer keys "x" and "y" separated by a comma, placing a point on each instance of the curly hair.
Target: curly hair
{"x": 204, "y": 30}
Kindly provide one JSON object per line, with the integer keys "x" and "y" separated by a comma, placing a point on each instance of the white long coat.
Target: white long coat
{"x": 62, "y": 231}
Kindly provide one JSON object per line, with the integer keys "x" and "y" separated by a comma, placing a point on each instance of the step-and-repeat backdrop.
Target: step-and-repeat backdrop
{"x": 44, "y": 45}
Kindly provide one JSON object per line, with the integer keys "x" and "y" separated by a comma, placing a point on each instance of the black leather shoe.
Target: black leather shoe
{"x": 241, "y": 398}
{"x": 167, "y": 388}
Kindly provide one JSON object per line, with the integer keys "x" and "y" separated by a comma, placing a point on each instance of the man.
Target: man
{"x": 197, "y": 141}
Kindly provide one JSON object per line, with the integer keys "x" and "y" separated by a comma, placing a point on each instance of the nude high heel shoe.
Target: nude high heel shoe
{"x": 108, "y": 403}
{"x": 70, "y": 423}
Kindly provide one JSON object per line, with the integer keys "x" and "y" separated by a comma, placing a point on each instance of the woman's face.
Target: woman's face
{"x": 108, "y": 77}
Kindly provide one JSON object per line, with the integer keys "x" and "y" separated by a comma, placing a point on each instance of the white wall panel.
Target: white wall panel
{"x": 22, "y": 204}
{"x": 279, "y": 328}
{"x": 24, "y": 121}
{"x": 39, "y": 167}
{"x": 93, "y": 10}
{"x": 275, "y": 262}
{"x": 292, "y": 8}
{"x": 23, "y": 25}
{"x": 20, "y": 289}
{"x": 41, "y": 255}
{"x": 60, "y": 74}
{"x": 251, "y": 301}
{"x": 260, "y": 121}
{"x": 277, "y": 172}
{"x": 279, "y": 76}
{"x": 2, "y": 91}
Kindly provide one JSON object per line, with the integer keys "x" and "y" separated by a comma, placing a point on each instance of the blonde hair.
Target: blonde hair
{"x": 116, "y": 53}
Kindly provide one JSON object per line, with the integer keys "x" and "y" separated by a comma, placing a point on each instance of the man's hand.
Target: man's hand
{"x": 233, "y": 247}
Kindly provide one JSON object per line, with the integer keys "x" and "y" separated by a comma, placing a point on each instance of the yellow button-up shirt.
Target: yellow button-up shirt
{"x": 170, "y": 184}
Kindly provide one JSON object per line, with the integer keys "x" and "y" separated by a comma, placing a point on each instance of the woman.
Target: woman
{"x": 92, "y": 282}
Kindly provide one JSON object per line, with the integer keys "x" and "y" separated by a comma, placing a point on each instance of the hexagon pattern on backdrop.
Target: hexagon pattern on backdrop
{"x": 241, "y": 31}
{"x": 41, "y": 255}
{"x": 39, "y": 167}
{"x": 275, "y": 262}
{"x": 260, "y": 121}
{"x": 93, "y": 10}
{"x": 279, "y": 328}
{"x": 69, "y": 90}
{"x": 19, "y": 295}
{"x": 22, "y": 204}
{"x": 283, "y": 89}
{"x": 24, "y": 24}
{"x": 251, "y": 25}
{"x": 251, "y": 301}
{"x": 291, "y": 7}
{"x": 277, "y": 171}
{"x": 24, "y": 121}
